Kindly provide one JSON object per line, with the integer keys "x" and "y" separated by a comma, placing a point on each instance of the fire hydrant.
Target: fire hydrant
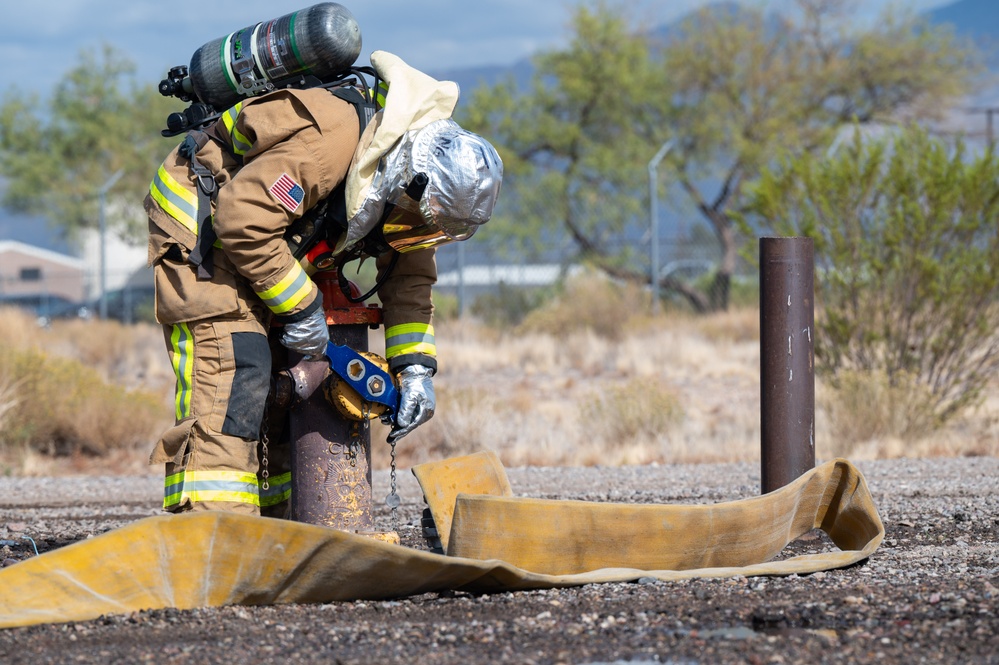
{"x": 328, "y": 421}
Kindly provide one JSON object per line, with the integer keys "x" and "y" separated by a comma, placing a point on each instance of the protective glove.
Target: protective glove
{"x": 307, "y": 336}
{"x": 416, "y": 400}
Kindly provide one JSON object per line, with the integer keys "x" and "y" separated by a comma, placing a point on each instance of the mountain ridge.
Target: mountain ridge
{"x": 975, "y": 19}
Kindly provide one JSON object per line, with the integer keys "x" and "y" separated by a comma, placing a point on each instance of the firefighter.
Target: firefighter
{"x": 227, "y": 279}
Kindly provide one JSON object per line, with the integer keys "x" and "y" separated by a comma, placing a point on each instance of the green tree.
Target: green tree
{"x": 56, "y": 156}
{"x": 572, "y": 161}
{"x": 750, "y": 84}
{"x": 732, "y": 88}
{"x": 906, "y": 232}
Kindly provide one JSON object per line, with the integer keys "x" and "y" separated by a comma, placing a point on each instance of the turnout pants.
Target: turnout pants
{"x": 216, "y": 334}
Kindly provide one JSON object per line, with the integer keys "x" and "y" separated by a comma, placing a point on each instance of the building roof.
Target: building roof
{"x": 38, "y": 252}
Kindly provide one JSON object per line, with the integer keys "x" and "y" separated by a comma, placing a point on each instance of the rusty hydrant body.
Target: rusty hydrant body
{"x": 330, "y": 453}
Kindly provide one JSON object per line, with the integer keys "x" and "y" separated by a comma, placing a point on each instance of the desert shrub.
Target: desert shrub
{"x": 445, "y": 307}
{"x": 464, "y": 415}
{"x": 736, "y": 324}
{"x": 591, "y": 302}
{"x": 127, "y": 355}
{"x": 744, "y": 292}
{"x": 508, "y": 306}
{"x": 18, "y": 328}
{"x": 642, "y": 409}
{"x": 7, "y": 400}
{"x": 60, "y": 407}
{"x": 109, "y": 347}
{"x": 906, "y": 233}
{"x": 721, "y": 293}
{"x": 867, "y": 405}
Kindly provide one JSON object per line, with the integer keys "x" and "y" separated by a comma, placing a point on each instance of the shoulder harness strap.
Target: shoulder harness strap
{"x": 365, "y": 109}
{"x": 201, "y": 255}
{"x": 358, "y": 92}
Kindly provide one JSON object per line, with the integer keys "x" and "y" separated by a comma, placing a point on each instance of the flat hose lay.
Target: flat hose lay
{"x": 496, "y": 543}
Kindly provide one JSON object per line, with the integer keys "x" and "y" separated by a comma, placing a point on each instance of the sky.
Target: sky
{"x": 39, "y": 43}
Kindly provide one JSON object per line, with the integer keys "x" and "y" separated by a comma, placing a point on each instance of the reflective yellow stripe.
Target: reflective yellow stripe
{"x": 380, "y": 94}
{"x": 437, "y": 240}
{"x": 229, "y": 117}
{"x": 408, "y": 328}
{"x": 175, "y": 199}
{"x": 201, "y": 486}
{"x": 235, "y": 476}
{"x": 202, "y": 496}
{"x": 240, "y": 144}
{"x": 289, "y": 292}
{"x": 410, "y": 338}
{"x": 182, "y": 359}
{"x": 278, "y": 492}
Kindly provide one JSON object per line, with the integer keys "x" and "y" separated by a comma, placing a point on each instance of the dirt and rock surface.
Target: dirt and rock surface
{"x": 928, "y": 595}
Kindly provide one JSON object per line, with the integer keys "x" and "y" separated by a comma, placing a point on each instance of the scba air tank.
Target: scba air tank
{"x": 322, "y": 41}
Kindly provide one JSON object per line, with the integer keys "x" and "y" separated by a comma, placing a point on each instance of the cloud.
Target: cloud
{"x": 440, "y": 34}
{"x": 434, "y": 35}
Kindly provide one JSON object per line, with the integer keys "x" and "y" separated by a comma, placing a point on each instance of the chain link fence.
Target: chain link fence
{"x": 48, "y": 295}
{"x": 488, "y": 267}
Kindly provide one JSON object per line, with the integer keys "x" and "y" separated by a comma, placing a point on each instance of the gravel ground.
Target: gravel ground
{"x": 929, "y": 595}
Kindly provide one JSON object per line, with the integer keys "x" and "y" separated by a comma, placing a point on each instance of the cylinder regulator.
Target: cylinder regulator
{"x": 301, "y": 49}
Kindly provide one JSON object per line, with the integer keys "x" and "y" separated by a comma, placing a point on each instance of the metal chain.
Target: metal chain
{"x": 393, "y": 500}
{"x": 264, "y": 462}
{"x": 357, "y": 430}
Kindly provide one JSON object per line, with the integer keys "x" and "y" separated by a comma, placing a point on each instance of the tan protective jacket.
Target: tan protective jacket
{"x": 284, "y": 153}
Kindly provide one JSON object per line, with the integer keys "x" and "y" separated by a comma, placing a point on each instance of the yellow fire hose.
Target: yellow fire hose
{"x": 495, "y": 543}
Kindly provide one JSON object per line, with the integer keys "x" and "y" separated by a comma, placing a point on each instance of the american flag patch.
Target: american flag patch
{"x": 288, "y": 192}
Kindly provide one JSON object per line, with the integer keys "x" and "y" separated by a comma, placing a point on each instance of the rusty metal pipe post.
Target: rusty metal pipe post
{"x": 787, "y": 360}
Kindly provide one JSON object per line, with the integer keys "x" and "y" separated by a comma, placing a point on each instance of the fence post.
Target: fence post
{"x": 462, "y": 295}
{"x": 654, "y": 221}
{"x": 102, "y": 227}
{"x": 787, "y": 360}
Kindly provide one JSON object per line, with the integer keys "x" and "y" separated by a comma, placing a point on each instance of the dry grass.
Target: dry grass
{"x": 866, "y": 407}
{"x": 525, "y": 396}
{"x": 8, "y": 399}
{"x": 62, "y": 407}
{"x": 593, "y": 303}
{"x": 866, "y": 419}
{"x": 673, "y": 389}
{"x": 130, "y": 356}
{"x": 79, "y": 395}
{"x": 638, "y": 409}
